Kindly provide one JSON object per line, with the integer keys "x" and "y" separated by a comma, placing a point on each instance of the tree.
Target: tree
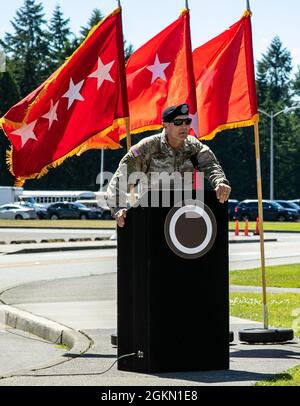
{"x": 273, "y": 76}
{"x": 9, "y": 95}
{"x": 95, "y": 18}
{"x": 275, "y": 92}
{"x": 60, "y": 45}
{"x": 27, "y": 48}
{"x": 296, "y": 83}
{"x": 9, "y": 92}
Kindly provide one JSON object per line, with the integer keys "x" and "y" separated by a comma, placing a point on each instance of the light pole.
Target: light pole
{"x": 271, "y": 116}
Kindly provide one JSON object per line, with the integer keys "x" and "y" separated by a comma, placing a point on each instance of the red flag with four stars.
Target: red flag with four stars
{"x": 86, "y": 96}
{"x": 225, "y": 81}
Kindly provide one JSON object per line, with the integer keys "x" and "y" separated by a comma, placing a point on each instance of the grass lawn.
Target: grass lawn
{"x": 289, "y": 378}
{"x": 268, "y": 226}
{"x": 58, "y": 223}
{"x": 282, "y": 276}
{"x": 283, "y": 308}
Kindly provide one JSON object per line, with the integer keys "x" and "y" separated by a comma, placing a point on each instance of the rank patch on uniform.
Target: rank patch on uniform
{"x": 135, "y": 151}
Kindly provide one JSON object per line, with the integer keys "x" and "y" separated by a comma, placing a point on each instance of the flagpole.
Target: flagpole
{"x": 187, "y": 4}
{"x": 127, "y": 119}
{"x": 261, "y": 227}
{"x": 260, "y": 216}
{"x": 128, "y": 141}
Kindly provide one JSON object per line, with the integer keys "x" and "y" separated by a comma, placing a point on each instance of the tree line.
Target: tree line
{"x": 37, "y": 47}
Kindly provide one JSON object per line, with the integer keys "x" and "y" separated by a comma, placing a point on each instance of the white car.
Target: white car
{"x": 15, "y": 211}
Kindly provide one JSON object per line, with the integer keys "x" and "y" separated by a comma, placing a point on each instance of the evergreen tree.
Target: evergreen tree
{"x": 273, "y": 77}
{"x": 274, "y": 95}
{"x": 27, "y": 48}
{"x": 9, "y": 92}
{"x": 95, "y": 18}
{"x": 9, "y": 95}
{"x": 296, "y": 83}
{"x": 60, "y": 45}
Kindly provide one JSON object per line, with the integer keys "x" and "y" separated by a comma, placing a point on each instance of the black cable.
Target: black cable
{"x": 57, "y": 341}
{"x": 88, "y": 374}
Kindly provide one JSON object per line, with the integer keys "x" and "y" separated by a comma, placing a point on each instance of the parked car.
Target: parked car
{"x": 272, "y": 211}
{"x": 296, "y": 201}
{"x": 289, "y": 205}
{"x": 67, "y": 210}
{"x": 102, "y": 208}
{"x": 232, "y": 203}
{"x": 40, "y": 210}
{"x": 16, "y": 211}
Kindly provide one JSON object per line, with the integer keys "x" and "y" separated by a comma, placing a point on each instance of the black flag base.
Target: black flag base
{"x": 114, "y": 338}
{"x": 266, "y": 335}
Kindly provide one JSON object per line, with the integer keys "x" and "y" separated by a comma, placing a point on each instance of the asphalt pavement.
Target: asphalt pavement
{"x": 80, "y": 312}
{"x": 87, "y": 306}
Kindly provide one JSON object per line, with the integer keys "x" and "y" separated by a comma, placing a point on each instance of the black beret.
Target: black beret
{"x": 171, "y": 112}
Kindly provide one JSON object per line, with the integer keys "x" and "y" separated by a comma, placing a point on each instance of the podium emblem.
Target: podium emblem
{"x": 190, "y": 230}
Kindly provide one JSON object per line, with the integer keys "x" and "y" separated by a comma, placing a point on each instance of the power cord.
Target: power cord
{"x": 57, "y": 341}
{"x": 139, "y": 354}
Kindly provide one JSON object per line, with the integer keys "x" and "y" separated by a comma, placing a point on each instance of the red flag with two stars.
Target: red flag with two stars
{"x": 85, "y": 97}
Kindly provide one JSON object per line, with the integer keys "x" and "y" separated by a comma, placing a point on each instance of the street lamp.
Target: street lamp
{"x": 271, "y": 116}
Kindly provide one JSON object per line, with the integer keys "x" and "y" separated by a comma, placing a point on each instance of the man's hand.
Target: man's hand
{"x": 223, "y": 192}
{"x": 120, "y": 217}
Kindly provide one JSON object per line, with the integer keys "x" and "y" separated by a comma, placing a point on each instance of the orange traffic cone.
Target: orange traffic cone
{"x": 256, "y": 232}
{"x": 246, "y": 231}
{"x": 236, "y": 227}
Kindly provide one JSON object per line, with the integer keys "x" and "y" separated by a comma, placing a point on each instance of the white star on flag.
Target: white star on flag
{"x": 26, "y": 132}
{"x": 51, "y": 115}
{"x": 73, "y": 93}
{"x": 195, "y": 123}
{"x": 102, "y": 73}
{"x": 158, "y": 69}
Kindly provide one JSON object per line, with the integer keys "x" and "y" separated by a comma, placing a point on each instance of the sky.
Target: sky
{"x": 142, "y": 19}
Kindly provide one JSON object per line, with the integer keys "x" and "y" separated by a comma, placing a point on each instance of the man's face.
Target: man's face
{"x": 178, "y": 129}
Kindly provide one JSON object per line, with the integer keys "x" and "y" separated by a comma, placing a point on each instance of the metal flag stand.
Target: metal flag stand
{"x": 265, "y": 334}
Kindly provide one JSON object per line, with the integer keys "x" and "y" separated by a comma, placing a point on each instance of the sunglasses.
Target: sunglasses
{"x": 180, "y": 121}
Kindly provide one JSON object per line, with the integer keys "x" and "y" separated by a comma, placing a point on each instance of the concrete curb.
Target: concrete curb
{"x": 244, "y": 240}
{"x": 55, "y": 240}
{"x": 55, "y": 249}
{"x": 77, "y": 342}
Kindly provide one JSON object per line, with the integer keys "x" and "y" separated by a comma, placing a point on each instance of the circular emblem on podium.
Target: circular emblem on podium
{"x": 190, "y": 230}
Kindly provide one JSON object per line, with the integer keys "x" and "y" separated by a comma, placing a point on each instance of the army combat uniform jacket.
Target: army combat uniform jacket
{"x": 154, "y": 154}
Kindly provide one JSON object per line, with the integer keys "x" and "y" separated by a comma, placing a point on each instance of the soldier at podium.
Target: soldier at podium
{"x": 172, "y": 150}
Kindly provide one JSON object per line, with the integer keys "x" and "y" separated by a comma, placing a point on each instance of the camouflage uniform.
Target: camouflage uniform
{"x": 154, "y": 154}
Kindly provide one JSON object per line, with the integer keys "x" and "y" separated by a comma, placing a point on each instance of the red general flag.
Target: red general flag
{"x": 225, "y": 81}
{"x": 160, "y": 74}
{"x": 86, "y": 96}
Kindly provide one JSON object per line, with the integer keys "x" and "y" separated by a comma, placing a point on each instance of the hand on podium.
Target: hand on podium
{"x": 223, "y": 192}
{"x": 120, "y": 217}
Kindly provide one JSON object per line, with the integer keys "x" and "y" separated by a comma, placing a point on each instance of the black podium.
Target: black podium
{"x": 173, "y": 307}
